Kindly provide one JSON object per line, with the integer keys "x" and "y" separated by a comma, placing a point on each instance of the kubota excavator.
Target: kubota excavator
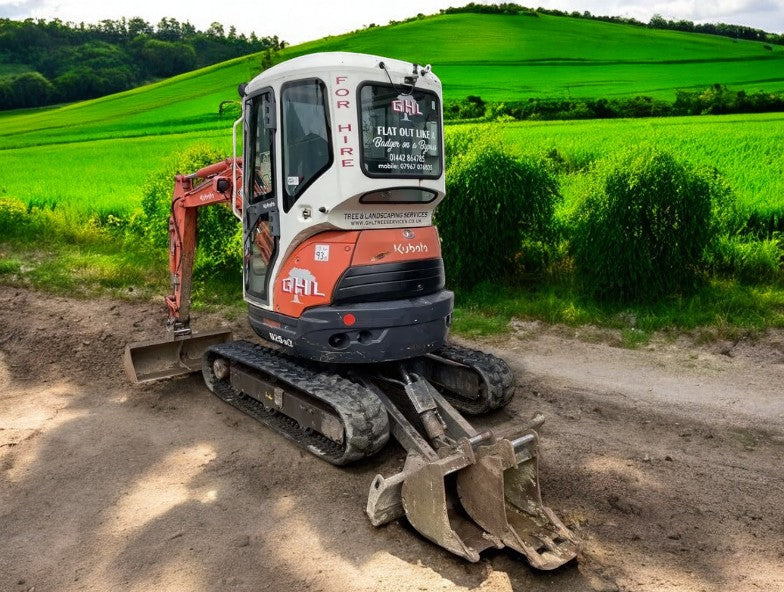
{"x": 341, "y": 169}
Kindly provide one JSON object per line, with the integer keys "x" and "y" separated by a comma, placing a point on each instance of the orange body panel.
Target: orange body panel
{"x": 396, "y": 244}
{"x": 309, "y": 275}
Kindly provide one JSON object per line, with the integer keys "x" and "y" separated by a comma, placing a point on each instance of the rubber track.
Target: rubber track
{"x": 498, "y": 380}
{"x": 364, "y": 418}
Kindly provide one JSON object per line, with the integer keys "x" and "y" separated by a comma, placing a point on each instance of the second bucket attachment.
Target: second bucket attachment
{"x": 500, "y": 491}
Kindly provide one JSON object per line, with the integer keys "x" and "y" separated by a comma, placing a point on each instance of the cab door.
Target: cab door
{"x": 260, "y": 206}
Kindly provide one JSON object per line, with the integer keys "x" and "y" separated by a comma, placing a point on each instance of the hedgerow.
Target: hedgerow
{"x": 497, "y": 218}
{"x": 642, "y": 226}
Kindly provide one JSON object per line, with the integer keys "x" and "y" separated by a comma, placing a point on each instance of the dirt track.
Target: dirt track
{"x": 667, "y": 462}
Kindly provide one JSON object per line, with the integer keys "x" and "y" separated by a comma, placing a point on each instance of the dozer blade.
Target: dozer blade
{"x": 430, "y": 504}
{"x": 154, "y": 360}
{"x": 500, "y": 491}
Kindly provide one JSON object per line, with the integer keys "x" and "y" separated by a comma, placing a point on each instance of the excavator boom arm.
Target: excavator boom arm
{"x": 213, "y": 184}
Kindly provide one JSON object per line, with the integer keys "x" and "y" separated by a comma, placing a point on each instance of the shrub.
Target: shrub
{"x": 13, "y": 217}
{"x": 472, "y": 107}
{"x": 219, "y": 233}
{"x": 462, "y": 141}
{"x": 497, "y": 216}
{"x": 642, "y": 226}
{"x": 29, "y": 89}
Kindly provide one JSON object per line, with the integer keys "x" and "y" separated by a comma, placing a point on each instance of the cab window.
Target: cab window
{"x": 307, "y": 150}
{"x": 260, "y": 184}
{"x": 400, "y": 132}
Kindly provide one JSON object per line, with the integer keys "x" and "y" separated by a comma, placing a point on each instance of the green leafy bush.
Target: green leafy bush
{"x": 642, "y": 226}
{"x": 498, "y": 215}
{"x": 13, "y": 217}
{"x": 43, "y": 225}
{"x": 472, "y": 107}
{"x": 462, "y": 141}
{"x": 219, "y": 233}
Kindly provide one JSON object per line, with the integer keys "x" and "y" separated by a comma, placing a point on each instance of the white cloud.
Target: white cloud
{"x": 302, "y": 20}
{"x": 15, "y": 10}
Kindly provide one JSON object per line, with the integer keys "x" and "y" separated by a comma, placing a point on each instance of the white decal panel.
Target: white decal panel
{"x": 370, "y": 219}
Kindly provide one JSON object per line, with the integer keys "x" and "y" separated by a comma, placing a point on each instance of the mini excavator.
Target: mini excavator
{"x": 341, "y": 169}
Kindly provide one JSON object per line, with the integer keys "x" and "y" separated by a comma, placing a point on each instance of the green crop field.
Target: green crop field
{"x": 746, "y": 149}
{"x": 95, "y": 155}
{"x": 106, "y": 175}
{"x": 497, "y": 57}
{"x": 78, "y": 164}
{"x": 98, "y": 177}
{"x": 511, "y": 57}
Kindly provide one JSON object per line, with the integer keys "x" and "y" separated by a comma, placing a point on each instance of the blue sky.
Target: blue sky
{"x": 302, "y": 20}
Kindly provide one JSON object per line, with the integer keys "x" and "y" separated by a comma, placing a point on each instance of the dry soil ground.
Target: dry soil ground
{"x": 666, "y": 461}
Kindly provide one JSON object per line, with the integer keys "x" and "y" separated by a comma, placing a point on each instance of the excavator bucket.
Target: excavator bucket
{"x": 475, "y": 492}
{"x": 154, "y": 360}
{"x": 432, "y": 509}
{"x": 500, "y": 491}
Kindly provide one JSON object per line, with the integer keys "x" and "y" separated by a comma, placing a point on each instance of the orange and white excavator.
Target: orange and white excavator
{"x": 341, "y": 169}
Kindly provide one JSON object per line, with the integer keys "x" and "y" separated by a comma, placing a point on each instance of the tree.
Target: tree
{"x": 30, "y": 89}
{"x": 215, "y": 30}
{"x": 88, "y": 60}
{"x": 162, "y": 58}
{"x": 168, "y": 29}
{"x": 137, "y": 26}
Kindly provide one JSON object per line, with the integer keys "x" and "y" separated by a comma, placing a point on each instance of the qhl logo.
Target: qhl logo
{"x": 300, "y": 282}
{"x": 407, "y": 106}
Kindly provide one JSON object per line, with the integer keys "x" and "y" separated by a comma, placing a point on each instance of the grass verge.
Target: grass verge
{"x": 720, "y": 309}
{"x": 61, "y": 253}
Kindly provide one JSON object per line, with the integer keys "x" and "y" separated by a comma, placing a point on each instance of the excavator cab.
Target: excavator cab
{"x": 344, "y": 167}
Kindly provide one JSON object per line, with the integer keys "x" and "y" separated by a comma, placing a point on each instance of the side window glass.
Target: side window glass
{"x": 259, "y": 258}
{"x": 260, "y": 185}
{"x": 307, "y": 150}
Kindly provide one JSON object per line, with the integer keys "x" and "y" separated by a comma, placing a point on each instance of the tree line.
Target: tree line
{"x": 656, "y": 22}
{"x": 62, "y": 62}
{"x": 713, "y": 100}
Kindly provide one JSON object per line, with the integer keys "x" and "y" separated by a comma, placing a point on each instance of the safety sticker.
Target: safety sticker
{"x": 322, "y": 253}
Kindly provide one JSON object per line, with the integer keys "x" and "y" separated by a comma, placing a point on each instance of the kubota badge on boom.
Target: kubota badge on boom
{"x": 341, "y": 169}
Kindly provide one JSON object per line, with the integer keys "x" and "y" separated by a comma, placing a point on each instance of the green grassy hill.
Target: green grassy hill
{"x": 497, "y": 57}
{"x": 96, "y": 154}
{"x": 500, "y": 57}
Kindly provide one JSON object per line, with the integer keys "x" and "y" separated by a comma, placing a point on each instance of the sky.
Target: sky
{"x": 296, "y": 21}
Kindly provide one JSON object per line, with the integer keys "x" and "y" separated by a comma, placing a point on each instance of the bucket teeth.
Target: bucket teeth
{"x": 500, "y": 491}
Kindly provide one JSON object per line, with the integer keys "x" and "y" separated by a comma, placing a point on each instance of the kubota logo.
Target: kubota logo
{"x": 406, "y": 249}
